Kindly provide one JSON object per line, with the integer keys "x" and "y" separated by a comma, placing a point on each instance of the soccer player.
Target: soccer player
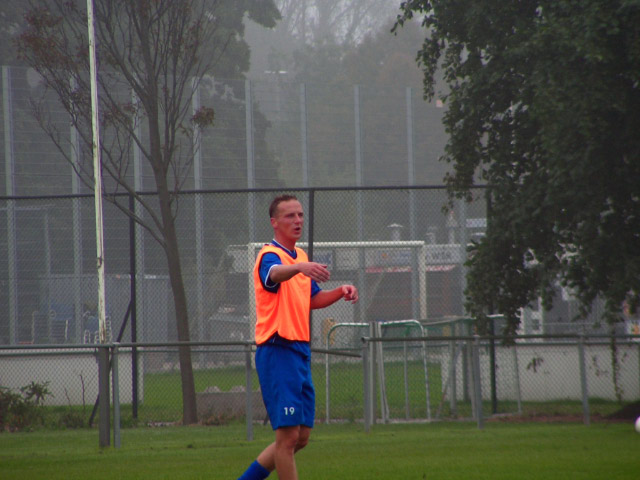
{"x": 286, "y": 289}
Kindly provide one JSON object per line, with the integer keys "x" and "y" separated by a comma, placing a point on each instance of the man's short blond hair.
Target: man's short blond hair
{"x": 273, "y": 208}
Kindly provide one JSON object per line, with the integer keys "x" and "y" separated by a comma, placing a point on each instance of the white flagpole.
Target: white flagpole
{"x": 97, "y": 175}
{"x": 103, "y": 352}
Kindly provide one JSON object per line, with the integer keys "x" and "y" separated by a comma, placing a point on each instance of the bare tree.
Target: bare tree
{"x": 339, "y": 21}
{"x": 151, "y": 54}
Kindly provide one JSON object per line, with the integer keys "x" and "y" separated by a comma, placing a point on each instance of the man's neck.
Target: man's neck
{"x": 288, "y": 244}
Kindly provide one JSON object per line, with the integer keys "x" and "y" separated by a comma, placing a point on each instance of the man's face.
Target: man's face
{"x": 288, "y": 221}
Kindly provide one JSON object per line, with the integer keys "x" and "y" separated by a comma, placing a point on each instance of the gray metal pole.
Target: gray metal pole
{"x": 406, "y": 380}
{"x": 516, "y": 367}
{"x": 453, "y": 397}
{"x": 115, "y": 379}
{"x": 384, "y": 404}
{"x": 74, "y": 155}
{"x": 464, "y": 239}
{"x": 362, "y": 281}
{"x": 249, "y": 391}
{"x": 477, "y": 383}
{"x": 103, "y": 395}
{"x": 583, "y": 382}
{"x": 197, "y": 182}
{"x": 471, "y": 377}
{"x": 362, "y": 304}
{"x": 303, "y": 136}
{"x": 415, "y": 283}
{"x": 9, "y": 159}
{"x": 426, "y": 379}
{"x": 139, "y": 230}
{"x": 327, "y": 385}
{"x": 251, "y": 168}
{"x": 366, "y": 387}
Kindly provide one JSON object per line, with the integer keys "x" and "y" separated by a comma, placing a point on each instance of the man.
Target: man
{"x": 286, "y": 289}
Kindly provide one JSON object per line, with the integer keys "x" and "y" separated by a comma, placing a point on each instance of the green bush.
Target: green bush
{"x": 20, "y": 411}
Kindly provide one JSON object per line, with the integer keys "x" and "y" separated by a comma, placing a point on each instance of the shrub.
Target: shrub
{"x": 21, "y": 411}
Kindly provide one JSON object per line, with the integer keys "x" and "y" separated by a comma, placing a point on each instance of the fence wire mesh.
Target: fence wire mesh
{"x": 417, "y": 379}
{"x": 405, "y": 254}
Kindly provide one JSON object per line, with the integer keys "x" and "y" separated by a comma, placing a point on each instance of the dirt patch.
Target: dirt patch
{"x": 628, "y": 412}
{"x": 625, "y": 414}
{"x": 534, "y": 418}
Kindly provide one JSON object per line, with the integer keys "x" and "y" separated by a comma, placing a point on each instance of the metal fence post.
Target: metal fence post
{"x": 367, "y": 387}
{"x": 103, "y": 395}
{"x": 477, "y": 384}
{"x": 470, "y": 370}
{"x": 249, "y": 391}
{"x": 303, "y": 135}
{"x": 453, "y": 405}
{"x": 12, "y": 262}
{"x": 516, "y": 367}
{"x": 583, "y": 381}
{"x": 426, "y": 380}
{"x": 115, "y": 379}
{"x": 327, "y": 386}
{"x": 406, "y": 380}
{"x": 133, "y": 265}
{"x": 199, "y": 234}
{"x": 251, "y": 167}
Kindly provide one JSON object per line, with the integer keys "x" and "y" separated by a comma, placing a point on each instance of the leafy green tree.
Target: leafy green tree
{"x": 543, "y": 106}
{"x": 158, "y": 50}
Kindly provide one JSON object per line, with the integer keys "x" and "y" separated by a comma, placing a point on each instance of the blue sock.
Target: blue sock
{"x": 255, "y": 472}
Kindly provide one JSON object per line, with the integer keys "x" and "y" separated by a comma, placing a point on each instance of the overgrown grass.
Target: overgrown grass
{"x": 428, "y": 451}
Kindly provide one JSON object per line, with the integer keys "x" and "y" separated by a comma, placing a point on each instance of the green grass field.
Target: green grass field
{"x": 411, "y": 451}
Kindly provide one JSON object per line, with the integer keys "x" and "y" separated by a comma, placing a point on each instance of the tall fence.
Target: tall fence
{"x": 397, "y": 244}
{"x": 267, "y": 134}
{"x": 405, "y": 255}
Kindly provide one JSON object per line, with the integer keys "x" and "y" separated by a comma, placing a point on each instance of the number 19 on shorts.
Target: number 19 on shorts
{"x": 289, "y": 411}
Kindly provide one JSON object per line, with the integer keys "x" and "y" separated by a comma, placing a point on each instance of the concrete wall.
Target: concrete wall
{"x": 550, "y": 372}
{"x": 212, "y": 403}
{"x": 72, "y": 374}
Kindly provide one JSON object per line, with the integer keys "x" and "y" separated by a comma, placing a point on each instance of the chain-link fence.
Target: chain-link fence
{"x": 575, "y": 378}
{"x": 268, "y": 133}
{"x": 404, "y": 254}
{"x": 398, "y": 374}
{"x": 403, "y": 251}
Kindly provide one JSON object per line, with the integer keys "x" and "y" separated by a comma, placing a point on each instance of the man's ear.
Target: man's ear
{"x": 274, "y": 222}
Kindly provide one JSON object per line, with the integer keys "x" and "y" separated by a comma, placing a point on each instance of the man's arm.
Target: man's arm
{"x": 324, "y": 298}
{"x": 313, "y": 270}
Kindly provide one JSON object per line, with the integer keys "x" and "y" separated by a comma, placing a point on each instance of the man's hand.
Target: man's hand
{"x": 315, "y": 271}
{"x": 350, "y": 293}
{"x": 324, "y": 298}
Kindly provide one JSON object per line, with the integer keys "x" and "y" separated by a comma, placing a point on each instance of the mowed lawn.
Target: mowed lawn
{"x": 415, "y": 451}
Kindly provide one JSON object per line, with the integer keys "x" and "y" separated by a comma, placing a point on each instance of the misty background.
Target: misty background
{"x": 335, "y": 100}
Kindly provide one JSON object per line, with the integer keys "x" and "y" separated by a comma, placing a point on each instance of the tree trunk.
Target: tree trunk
{"x": 189, "y": 411}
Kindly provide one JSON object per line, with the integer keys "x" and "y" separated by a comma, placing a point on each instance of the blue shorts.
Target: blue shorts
{"x": 284, "y": 371}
